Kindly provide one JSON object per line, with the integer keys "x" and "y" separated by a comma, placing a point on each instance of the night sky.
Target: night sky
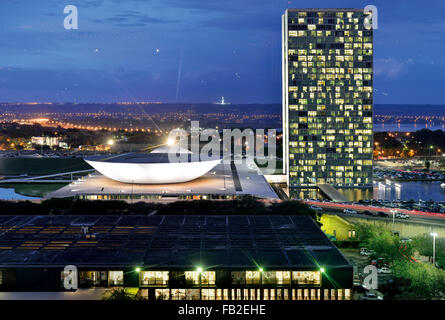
{"x": 198, "y": 51}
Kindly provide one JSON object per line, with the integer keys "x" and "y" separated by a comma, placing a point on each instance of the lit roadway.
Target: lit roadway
{"x": 414, "y": 215}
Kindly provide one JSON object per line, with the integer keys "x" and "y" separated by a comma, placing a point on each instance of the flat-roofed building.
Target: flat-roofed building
{"x": 176, "y": 257}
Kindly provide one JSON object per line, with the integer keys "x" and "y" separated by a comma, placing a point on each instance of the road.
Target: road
{"x": 414, "y": 215}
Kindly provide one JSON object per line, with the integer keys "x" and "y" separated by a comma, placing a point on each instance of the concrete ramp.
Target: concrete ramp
{"x": 331, "y": 193}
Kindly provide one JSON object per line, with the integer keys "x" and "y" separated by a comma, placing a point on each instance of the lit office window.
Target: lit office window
{"x": 208, "y": 294}
{"x": 116, "y": 278}
{"x": 178, "y": 294}
{"x": 253, "y": 277}
{"x": 283, "y": 277}
{"x": 154, "y": 277}
{"x": 306, "y": 277}
{"x": 162, "y": 294}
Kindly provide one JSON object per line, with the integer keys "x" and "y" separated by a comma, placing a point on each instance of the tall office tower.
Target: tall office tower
{"x": 327, "y": 98}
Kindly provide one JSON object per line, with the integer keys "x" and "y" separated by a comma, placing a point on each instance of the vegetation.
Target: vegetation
{"x": 400, "y": 144}
{"x": 121, "y": 294}
{"x": 423, "y": 245}
{"x": 412, "y": 280}
{"x": 71, "y": 206}
{"x": 415, "y": 281}
{"x": 383, "y": 242}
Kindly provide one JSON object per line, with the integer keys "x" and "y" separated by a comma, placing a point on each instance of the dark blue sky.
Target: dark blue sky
{"x": 206, "y": 49}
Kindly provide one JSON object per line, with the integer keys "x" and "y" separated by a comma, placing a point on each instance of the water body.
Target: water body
{"x": 407, "y": 127}
{"x": 10, "y": 194}
{"x": 409, "y": 190}
{"x": 423, "y": 190}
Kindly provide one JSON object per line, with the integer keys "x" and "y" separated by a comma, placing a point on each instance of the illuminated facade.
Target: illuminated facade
{"x": 327, "y": 98}
{"x": 176, "y": 257}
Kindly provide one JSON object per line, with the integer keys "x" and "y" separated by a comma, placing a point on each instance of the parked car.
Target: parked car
{"x": 349, "y": 211}
{"x": 385, "y": 270}
{"x": 316, "y": 208}
{"x": 401, "y": 216}
{"x": 406, "y": 240}
{"x": 370, "y": 296}
{"x": 366, "y": 252}
{"x": 382, "y": 214}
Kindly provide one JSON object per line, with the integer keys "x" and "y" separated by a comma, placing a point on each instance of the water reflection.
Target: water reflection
{"x": 385, "y": 190}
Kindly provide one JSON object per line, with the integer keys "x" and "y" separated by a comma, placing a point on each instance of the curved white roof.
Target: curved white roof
{"x": 153, "y": 173}
{"x": 170, "y": 149}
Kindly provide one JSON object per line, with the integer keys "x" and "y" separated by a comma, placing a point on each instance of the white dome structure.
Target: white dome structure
{"x": 151, "y": 168}
{"x": 171, "y": 149}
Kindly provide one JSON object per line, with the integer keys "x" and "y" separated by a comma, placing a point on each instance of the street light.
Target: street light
{"x": 170, "y": 142}
{"x": 434, "y": 234}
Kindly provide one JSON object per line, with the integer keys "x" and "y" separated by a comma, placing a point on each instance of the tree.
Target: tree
{"x": 121, "y": 294}
{"x": 383, "y": 242}
{"x": 424, "y": 245}
{"x": 425, "y": 280}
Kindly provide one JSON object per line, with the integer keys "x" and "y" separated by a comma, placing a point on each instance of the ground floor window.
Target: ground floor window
{"x": 116, "y": 278}
{"x": 93, "y": 279}
{"x": 162, "y": 294}
{"x": 271, "y": 294}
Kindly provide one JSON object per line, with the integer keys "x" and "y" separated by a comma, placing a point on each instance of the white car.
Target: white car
{"x": 316, "y": 208}
{"x": 384, "y": 270}
{"x": 402, "y": 216}
{"x": 349, "y": 211}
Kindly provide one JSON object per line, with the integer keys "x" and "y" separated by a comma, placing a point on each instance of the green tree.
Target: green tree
{"x": 383, "y": 242}
{"x": 121, "y": 294}
{"x": 425, "y": 281}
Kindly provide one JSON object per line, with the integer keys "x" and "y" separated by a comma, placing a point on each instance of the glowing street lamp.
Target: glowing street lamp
{"x": 434, "y": 235}
{"x": 322, "y": 270}
{"x": 170, "y": 142}
{"x": 137, "y": 269}
{"x": 199, "y": 270}
{"x": 110, "y": 142}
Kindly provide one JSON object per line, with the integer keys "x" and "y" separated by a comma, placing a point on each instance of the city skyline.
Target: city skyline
{"x": 196, "y": 52}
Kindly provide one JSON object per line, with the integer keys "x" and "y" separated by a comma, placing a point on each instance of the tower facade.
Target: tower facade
{"x": 327, "y": 98}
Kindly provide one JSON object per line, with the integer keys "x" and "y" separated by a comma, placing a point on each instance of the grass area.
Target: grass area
{"x": 42, "y": 166}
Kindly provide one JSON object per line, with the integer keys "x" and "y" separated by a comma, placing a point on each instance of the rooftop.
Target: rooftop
{"x": 223, "y": 180}
{"x": 175, "y": 241}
